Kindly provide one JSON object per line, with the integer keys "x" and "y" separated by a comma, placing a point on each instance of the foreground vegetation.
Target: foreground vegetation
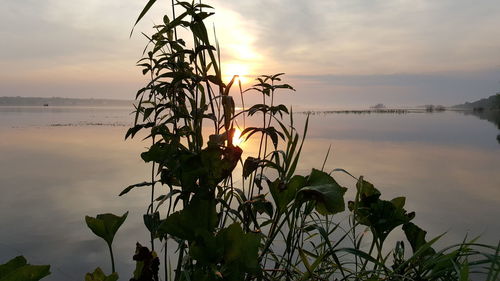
{"x": 269, "y": 222}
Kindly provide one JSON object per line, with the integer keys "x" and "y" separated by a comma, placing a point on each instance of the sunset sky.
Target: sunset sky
{"x": 336, "y": 53}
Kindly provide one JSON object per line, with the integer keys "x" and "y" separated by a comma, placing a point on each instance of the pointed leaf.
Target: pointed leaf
{"x": 105, "y": 225}
{"x": 130, "y": 187}
{"x": 143, "y": 12}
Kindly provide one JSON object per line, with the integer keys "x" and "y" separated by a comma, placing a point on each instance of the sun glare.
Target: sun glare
{"x": 239, "y": 69}
{"x": 237, "y": 140}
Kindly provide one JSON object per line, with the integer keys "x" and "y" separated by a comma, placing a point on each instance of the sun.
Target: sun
{"x": 231, "y": 69}
{"x": 237, "y": 140}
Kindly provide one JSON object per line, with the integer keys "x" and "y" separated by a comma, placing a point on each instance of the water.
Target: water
{"x": 59, "y": 164}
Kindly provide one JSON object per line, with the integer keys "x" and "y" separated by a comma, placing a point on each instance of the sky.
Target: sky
{"x": 336, "y": 53}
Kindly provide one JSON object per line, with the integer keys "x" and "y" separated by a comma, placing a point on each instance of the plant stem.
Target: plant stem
{"x": 112, "y": 258}
{"x": 369, "y": 253}
{"x": 165, "y": 255}
{"x": 177, "y": 275}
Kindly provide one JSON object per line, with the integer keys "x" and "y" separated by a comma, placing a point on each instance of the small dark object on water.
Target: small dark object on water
{"x": 45, "y": 104}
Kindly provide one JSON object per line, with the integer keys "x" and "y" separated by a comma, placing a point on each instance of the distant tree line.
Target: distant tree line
{"x": 57, "y": 101}
{"x": 491, "y": 102}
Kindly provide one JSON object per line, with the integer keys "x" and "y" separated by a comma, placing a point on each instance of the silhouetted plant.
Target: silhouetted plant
{"x": 106, "y": 226}
{"x": 275, "y": 224}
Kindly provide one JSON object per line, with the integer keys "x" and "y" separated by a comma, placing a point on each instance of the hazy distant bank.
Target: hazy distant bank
{"x": 56, "y": 101}
{"x": 491, "y": 102}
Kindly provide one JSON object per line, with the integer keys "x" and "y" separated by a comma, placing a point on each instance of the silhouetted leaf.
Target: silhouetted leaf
{"x": 130, "y": 187}
{"x": 199, "y": 30}
{"x": 279, "y": 109}
{"x": 198, "y": 218}
{"x": 105, "y": 225}
{"x": 273, "y": 134}
{"x": 325, "y": 191}
{"x": 132, "y": 131}
{"x": 283, "y": 193}
{"x": 98, "y": 275}
{"x": 218, "y": 164}
{"x": 398, "y": 202}
{"x": 240, "y": 252}
{"x": 152, "y": 221}
{"x": 366, "y": 189}
{"x": 261, "y": 205}
{"x": 276, "y": 76}
{"x": 143, "y": 12}
{"x": 17, "y": 269}
{"x": 381, "y": 216}
{"x": 293, "y": 163}
{"x": 258, "y": 108}
{"x": 251, "y": 164}
{"x": 416, "y": 237}
{"x": 284, "y": 86}
{"x": 12, "y": 265}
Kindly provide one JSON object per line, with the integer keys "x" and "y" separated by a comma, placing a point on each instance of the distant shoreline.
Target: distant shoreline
{"x": 385, "y": 111}
{"x": 95, "y": 102}
{"x": 57, "y": 101}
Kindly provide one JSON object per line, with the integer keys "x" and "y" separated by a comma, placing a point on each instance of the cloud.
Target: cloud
{"x": 367, "y": 37}
{"x": 76, "y": 48}
{"x": 84, "y": 46}
{"x": 447, "y": 88}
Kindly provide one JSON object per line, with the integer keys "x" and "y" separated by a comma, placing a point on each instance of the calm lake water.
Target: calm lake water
{"x": 59, "y": 164}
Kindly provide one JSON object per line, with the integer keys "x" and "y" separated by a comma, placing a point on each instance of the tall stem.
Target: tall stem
{"x": 112, "y": 258}
{"x": 177, "y": 275}
{"x": 165, "y": 255}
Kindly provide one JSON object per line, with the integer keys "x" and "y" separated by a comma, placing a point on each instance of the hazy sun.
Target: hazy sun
{"x": 232, "y": 69}
{"x": 237, "y": 137}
